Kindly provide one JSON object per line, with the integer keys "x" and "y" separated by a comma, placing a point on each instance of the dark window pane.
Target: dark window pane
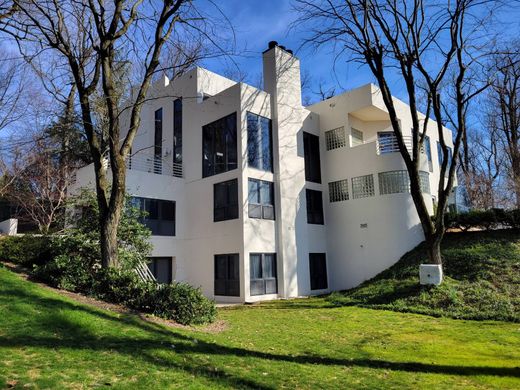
{"x": 318, "y": 271}
{"x": 256, "y": 267}
{"x": 227, "y": 276}
{"x": 268, "y": 212}
{"x": 254, "y": 193}
{"x": 269, "y": 266}
{"x": 225, "y": 200}
{"x": 314, "y": 207}
{"x": 254, "y": 210}
{"x": 177, "y": 131}
{"x": 161, "y": 268}
{"x": 160, "y": 218}
{"x": 219, "y": 146}
{"x": 158, "y": 134}
{"x": 311, "y": 147}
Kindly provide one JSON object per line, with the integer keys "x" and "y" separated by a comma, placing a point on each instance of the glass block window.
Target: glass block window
{"x": 396, "y": 182}
{"x": 357, "y": 137}
{"x": 425, "y": 182}
{"x": 338, "y": 191}
{"x": 335, "y": 138}
{"x": 363, "y": 186}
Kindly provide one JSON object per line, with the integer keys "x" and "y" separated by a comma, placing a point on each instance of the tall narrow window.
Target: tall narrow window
{"x": 161, "y": 268}
{"x": 356, "y": 137}
{"x": 225, "y": 200}
{"x": 261, "y": 199}
{"x": 177, "y": 131}
{"x": 311, "y": 148}
{"x": 314, "y": 207}
{"x": 157, "y": 148}
{"x": 262, "y": 270}
{"x": 227, "y": 276}
{"x": 440, "y": 155}
{"x": 259, "y": 142}
{"x": 428, "y": 151}
{"x": 318, "y": 271}
{"x": 219, "y": 146}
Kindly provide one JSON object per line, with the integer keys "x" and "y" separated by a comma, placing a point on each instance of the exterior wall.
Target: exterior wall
{"x": 9, "y": 227}
{"x": 360, "y": 237}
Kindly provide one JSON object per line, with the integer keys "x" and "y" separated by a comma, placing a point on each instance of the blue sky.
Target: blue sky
{"x": 256, "y": 22}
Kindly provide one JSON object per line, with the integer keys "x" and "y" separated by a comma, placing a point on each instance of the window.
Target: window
{"x": 262, "y": 267}
{"x": 160, "y": 215}
{"x": 357, "y": 137}
{"x": 311, "y": 148}
{"x": 219, "y": 146}
{"x": 335, "y": 138}
{"x": 161, "y": 268}
{"x": 259, "y": 142}
{"x": 227, "y": 277}
{"x": 428, "y": 151}
{"x": 314, "y": 207}
{"x": 261, "y": 199}
{"x": 387, "y": 142}
{"x": 363, "y": 186}
{"x": 225, "y": 200}
{"x": 318, "y": 271}
{"x": 338, "y": 191}
{"x": 157, "y": 148}
{"x": 441, "y": 155}
{"x": 395, "y": 182}
{"x": 177, "y": 131}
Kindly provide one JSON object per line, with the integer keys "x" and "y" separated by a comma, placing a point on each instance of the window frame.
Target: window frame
{"x": 364, "y": 194}
{"x": 312, "y": 266}
{"x": 312, "y": 158}
{"x": 336, "y": 193}
{"x": 335, "y": 138}
{"x": 157, "y": 146}
{"x": 255, "y": 141}
{"x": 218, "y": 134}
{"x": 261, "y": 205}
{"x": 263, "y": 281}
{"x": 314, "y": 216}
{"x": 231, "y": 209}
{"x": 156, "y": 224}
{"x": 358, "y": 141}
{"x": 177, "y": 131}
{"x": 231, "y": 285}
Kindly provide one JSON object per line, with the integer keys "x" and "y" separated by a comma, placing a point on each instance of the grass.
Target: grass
{"x": 48, "y": 340}
{"x": 482, "y": 280}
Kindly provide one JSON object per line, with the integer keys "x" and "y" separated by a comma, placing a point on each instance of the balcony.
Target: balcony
{"x": 154, "y": 165}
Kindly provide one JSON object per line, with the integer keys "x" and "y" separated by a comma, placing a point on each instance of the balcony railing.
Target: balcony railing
{"x": 154, "y": 165}
{"x": 388, "y": 144}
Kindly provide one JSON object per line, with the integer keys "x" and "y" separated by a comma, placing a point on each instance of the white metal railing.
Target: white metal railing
{"x": 144, "y": 272}
{"x": 388, "y": 144}
{"x": 155, "y": 165}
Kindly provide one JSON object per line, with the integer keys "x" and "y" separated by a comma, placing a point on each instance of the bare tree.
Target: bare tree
{"x": 401, "y": 39}
{"x": 90, "y": 40}
{"x": 504, "y": 110}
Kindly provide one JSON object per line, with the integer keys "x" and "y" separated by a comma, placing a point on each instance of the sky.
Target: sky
{"x": 256, "y": 22}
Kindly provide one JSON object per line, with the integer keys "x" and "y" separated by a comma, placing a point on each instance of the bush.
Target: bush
{"x": 26, "y": 250}
{"x": 483, "y": 219}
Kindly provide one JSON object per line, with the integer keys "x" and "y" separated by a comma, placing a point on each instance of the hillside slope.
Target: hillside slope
{"x": 482, "y": 280}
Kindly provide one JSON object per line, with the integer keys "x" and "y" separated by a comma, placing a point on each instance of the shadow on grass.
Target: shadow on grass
{"x": 53, "y": 329}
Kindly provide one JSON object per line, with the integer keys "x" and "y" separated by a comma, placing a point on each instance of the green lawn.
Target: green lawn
{"x": 49, "y": 341}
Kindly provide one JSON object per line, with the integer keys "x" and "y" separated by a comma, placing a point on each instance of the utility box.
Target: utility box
{"x": 430, "y": 274}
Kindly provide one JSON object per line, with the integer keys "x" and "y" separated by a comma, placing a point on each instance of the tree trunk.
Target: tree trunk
{"x": 108, "y": 238}
{"x": 433, "y": 248}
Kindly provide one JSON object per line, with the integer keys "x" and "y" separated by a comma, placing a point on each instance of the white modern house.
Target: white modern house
{"x": 253, "y": 196}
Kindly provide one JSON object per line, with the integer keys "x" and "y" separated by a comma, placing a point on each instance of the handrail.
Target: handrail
{"x": 155, "y": 165}
{"x": 389, "y": 144}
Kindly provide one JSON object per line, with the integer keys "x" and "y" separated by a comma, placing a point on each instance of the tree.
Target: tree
{"x": 90, "y": 40}
{"x": 426, "y": 45}
{"x": 504, "y": 110}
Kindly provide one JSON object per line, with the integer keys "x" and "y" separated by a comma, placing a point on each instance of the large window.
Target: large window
{"x": 363, "y": 186}
{"x": 338, "y": 191}
{"x": 441, "y": 155}
{"x": 227, "y": 277}
{"x": 263, "y": 273}
{"x": 157, "y": 146}
{"x": 335, "y": 138}
{"x": 160, "y": 215}
{"x": 261, "y": 199}
{"x": 225, "y": 200}
{"x": 259, "y": 142}
{"x": 177, "y": 131}
{"x": 318, "y": 271}
{"x": 314, "y": 207}
{"x": 428, "y": 151}
{"x": 219, "y": 146}
{"x": 311, "y": 148}
{"x": 395, "y": 182}
{"x": 161, "y": 268}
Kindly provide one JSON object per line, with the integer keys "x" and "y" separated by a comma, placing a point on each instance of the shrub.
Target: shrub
{"x": 483, "y": 219}
{"x": 26, "y": 250}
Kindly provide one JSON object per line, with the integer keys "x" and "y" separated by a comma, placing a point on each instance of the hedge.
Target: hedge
{"x": 483, "y": 219}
